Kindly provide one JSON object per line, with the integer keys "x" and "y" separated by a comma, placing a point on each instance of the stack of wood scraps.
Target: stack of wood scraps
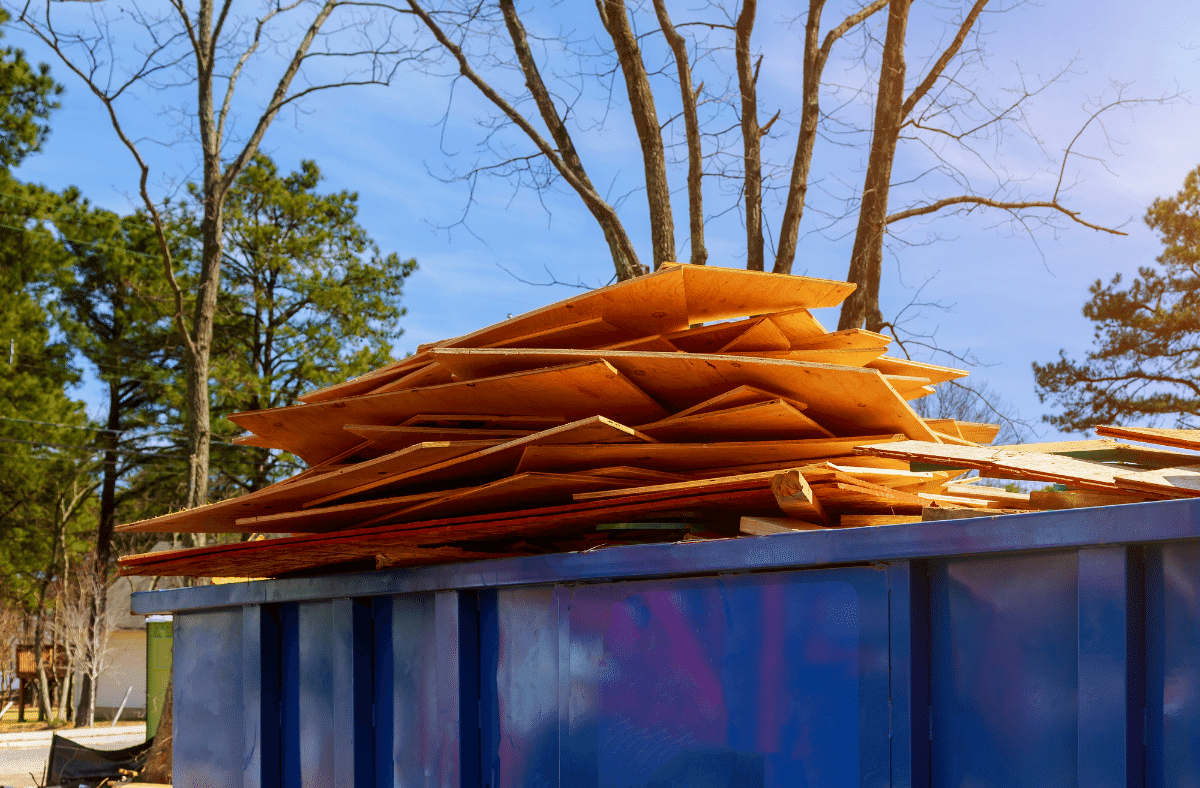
{"x": 689, "y": 404}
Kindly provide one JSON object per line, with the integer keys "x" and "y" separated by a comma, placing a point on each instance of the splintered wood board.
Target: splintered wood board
{"x": 572, "y": 391}
{"x": 773, "y": 419}
{"x": 742, "y": 395}
{"x": 916, "y": 369}
{"x": 523, "y": 491}
{"x": 222, "y": 517}
{"x": 389, "y": 439}
{"x": 331, "y": 518}
{"x": 688, "y": 456}
{"x": 499, "y": 458}
{"x": 272, "y": 557}
{"x": 842, "y": 399}
{"x": 1180, "y": 439}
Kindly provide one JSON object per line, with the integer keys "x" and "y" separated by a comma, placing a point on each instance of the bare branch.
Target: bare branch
{"x": 967, "y": 199}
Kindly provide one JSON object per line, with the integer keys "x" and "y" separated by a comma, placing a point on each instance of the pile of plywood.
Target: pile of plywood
{"x": 692, "y": 403}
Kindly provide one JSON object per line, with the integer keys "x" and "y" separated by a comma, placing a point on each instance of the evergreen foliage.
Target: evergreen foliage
{"x": 1145, "y": 365}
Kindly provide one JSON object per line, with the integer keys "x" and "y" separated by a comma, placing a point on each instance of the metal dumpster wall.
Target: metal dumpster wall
{"x": 991, "y": 663}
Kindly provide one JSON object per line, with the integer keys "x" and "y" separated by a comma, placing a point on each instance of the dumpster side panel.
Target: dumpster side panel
{"x": 1173, "y": 665}
{"x": 1004, "y": 670}
{"x": 777, "y": 679}
{"x": 208, "y": 703}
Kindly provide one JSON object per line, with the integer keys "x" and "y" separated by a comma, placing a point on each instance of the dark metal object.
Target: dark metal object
{"x": 1056, "y": 648}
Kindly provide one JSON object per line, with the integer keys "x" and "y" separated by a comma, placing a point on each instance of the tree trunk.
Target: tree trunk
{"x": 866, "y": 258}
{"x": 691, "y": 120}
{"x": 158, "y": 762}
{"x": 810, "y": 111}
{"x": 751, "y": 135}
{"x": 615, "y": 17}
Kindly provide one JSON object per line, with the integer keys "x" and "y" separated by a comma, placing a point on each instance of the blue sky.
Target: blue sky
{"x": 1011, "y": 299}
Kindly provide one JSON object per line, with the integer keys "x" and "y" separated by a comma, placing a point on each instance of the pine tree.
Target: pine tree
{"x": 1145, "y": 365}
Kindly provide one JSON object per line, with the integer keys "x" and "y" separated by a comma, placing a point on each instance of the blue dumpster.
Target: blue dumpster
{"x": 1040, "y": 649}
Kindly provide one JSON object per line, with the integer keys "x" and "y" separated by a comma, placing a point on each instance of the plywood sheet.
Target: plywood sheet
{"x": 432, "y": 374}
{"x": 573, "y": 391}
{"x": 523, "y": 491}
{"x": 1175, "y": 482}
{"x": 498, "y": 458}
{"x": 770, "y": 420}
{"x": 710, "y": 339}
{"x": 273, "y": 557}
{"x": 798, "y": 325}
{"x": 741, "y": 395}
{"x": 365, "y": 383}
{"x": 332, "y": 518}
{"x": 978, "y": 432}
{"x": 388, "y": 439}
{"x": 846, "y": 339}
{"x": 842, "y": 399}
{"x": 483, "y": 421}
{"x": 687, "y": 456}
{"x": 849, "y": 357}
{"x": 916, "y": 369}
{"x": 222, "y": 517}
{"x": 1181, "y": 439}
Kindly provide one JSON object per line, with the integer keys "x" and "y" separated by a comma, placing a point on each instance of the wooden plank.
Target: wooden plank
{"x": 364, "y": 383}
{"x": 1180, "y": 439}
{"x": 978, "y": 432}
{"x": 842, "y": 399}
{"x": 795, "y": 497}
{"x": 1010, "y": 500}
{"x": 710, "y": 339}
{"x": 1183, "y": 482}
{"x": 654, "y": 344}
{"x": 760, "y": 480}
{"x": 483, "y": 421}
{"x": 332, "y": 518}
{"x": 945, "y": 427}
{"x": 1014, "y": 464}
{"x": 762, "y": 336}
{"x": 869, "y": 520}
{"x": 273, "y": 557}
{"x": 222, "y": 517}
{"x": 670, "y": 299}
{"x": 498, "y": 458}
{"x": 740, "y": 395}
{"x": 1077, "y": 499}
{"x": 688, "y": 456}
{"x": 432, "y": 374}
{"x": 765, "y": 526}
{"x": 864, "y": 498}
{"x": 389, "y": 439}
{"x": 770, "y": 420}
{"x": 588, "y": 333}
{"x": 632, "y": 474}
{"x": 733, "y": 470}
{"x": 798, "y": 325}
{"x": 846, "y": 339}
{"x": 573, "y": 391}
{"x": 917, "y": 369}
{"x": 523, "y": 491}
{"x": 846, "y": 357}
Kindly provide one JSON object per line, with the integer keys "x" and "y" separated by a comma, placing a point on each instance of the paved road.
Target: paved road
{"x": 16, "y": 764}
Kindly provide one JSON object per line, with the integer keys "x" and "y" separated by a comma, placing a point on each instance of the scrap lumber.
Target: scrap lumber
{"x": 843, "y": 399}
{"x": 573, "y": 391}
{"x": 695, "y": 403}
{"x": 1180, "y": 439}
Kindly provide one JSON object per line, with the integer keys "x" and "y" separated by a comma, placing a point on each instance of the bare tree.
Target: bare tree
{"x": 207, "y": 48}
{"x": 84, "y": 625}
